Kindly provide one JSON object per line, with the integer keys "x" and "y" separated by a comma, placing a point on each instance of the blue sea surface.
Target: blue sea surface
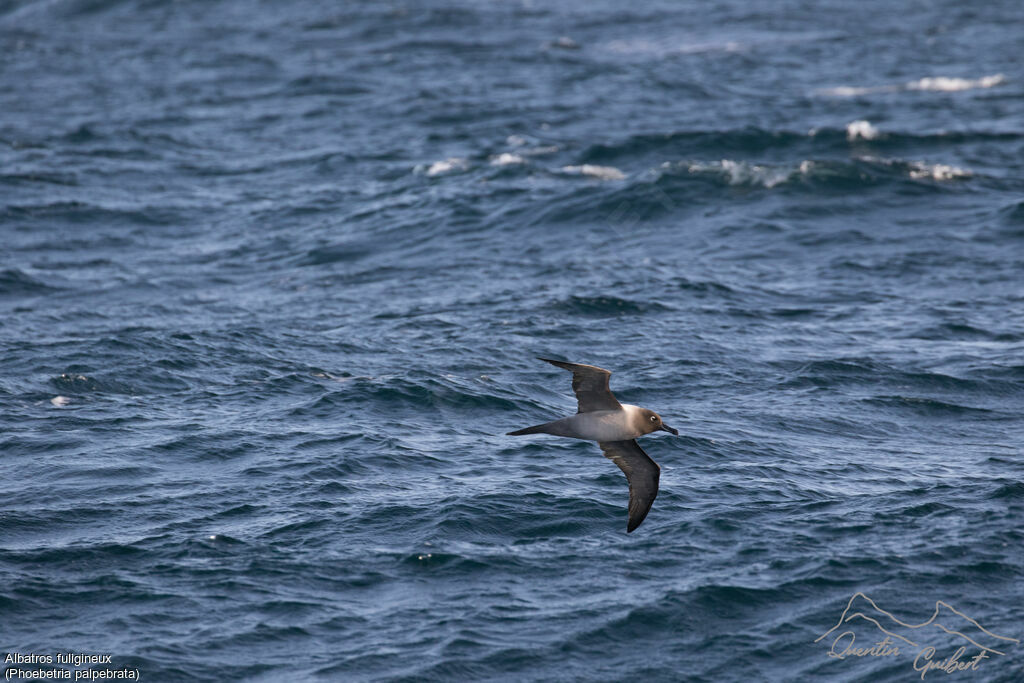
{"x": 274, "y": 275}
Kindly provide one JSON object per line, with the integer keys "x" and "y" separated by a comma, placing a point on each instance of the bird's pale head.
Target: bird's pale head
{"x": 652, "y": 422}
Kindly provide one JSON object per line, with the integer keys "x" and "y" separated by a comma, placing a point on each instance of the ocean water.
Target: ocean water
{"x": 273, "y": 278}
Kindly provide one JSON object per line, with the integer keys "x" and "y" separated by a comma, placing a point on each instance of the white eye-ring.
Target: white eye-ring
{"x": 654, "y": 418}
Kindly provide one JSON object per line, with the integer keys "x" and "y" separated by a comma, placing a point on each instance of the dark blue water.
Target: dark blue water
{"x": 273, "y": 277}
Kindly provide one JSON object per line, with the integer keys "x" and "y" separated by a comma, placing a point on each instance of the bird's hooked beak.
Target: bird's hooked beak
{"x": 665, "y": 428}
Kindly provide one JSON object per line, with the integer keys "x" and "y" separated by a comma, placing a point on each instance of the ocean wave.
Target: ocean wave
{"x": 747, "y": 140}
{"x": 817, "y": 166}
{"x": 392, "y": 393}
{"x": 671, "y": 46}
{"x": 945, "y": 84}
{"x": 87, "y": 213}
{"x": 344, "y": 252}
{"x": 45, "y": 177}
{"x": 691, "y": 611}
{"x": 861, "y": 130}
{"x": 920, "y": 170}
{"x": 928, "y": 407}
{"x": 666, "y": 189}
{"x": 933, "y": 84}
{"x": 506, "y": 159}
{"x": 535, "y": 513}
{"x": 1013, "y": 213}
{"x": 864, "y": 170}
{"x": 961, "y": 331}
{"x": 741, "y": 172}
{"x": 529, "y": 147}
{"x": 147, "y": 379}
{"x": 1013, "y": 490}
{"x": 606, "y": 306}
{"x": 445, "y": 166}
{"x": 758, "y": 142}
{"x": 15, "y": 282}
{"x": 926, "y": 393}
{"x": 594, "y": 171}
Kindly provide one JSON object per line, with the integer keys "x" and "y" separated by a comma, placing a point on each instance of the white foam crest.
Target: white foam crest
{"x": 60, "y": 401}
{"x": 862, "y": 130}
{"x": 599, "y": 172}
{"x": 506, "y": 159}
{"x": 744, "y": 173}
{"x": 748, "y": 174}
{"x": 943, "y": 84}
{"x": 447, "y": 165}
{"x": 919, "y": 169}
{"x": 931, "y": 83}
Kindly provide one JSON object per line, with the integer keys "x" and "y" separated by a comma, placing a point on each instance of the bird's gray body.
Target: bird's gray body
{"x": 602, "y": 425}
{"x": 614, "y": 426}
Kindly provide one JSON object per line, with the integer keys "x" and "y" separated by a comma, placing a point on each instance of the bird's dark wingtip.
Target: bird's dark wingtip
{"x": 564, "y": 364}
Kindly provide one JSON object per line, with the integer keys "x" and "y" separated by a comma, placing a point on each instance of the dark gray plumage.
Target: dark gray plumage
{"x": 590, "y": 384}
{"x": 642, "y": 473}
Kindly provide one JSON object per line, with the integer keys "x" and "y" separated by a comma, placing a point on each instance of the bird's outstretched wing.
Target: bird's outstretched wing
{"x": 591, "y": 386}
{"x": 642, "y": 473}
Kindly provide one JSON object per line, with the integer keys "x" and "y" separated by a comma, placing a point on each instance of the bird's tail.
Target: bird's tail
{"x": 536, "y": 429}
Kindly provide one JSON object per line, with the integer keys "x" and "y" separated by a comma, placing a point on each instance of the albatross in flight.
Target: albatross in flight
{"x": 615, "y": 427}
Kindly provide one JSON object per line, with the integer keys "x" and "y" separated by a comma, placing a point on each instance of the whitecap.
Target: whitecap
{"x": 60, "y": 401}
{"x": 931, "y": 83}
{"x": 943, "y": 84}
{"x": 599, "y": 172}
{"x": 447, "y": 165}
{"x": 506, "y": 159}
{"x": 861, "y": 130}
{"x": 743, "y": 173}
{"x": 919, "y": 169}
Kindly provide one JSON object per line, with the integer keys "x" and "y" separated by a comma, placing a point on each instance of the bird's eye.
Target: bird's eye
{"x": 654, "y": 418}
